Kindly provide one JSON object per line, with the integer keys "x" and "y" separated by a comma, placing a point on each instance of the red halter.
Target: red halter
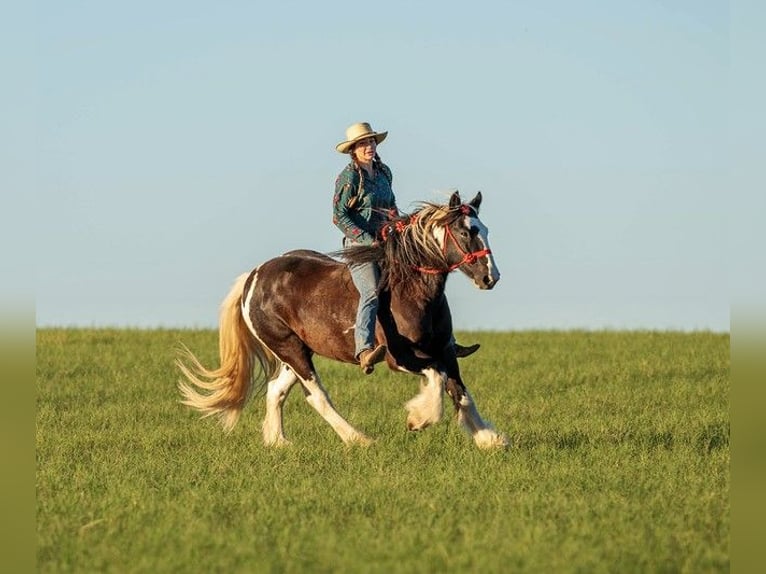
{"x": 468, "y": 257}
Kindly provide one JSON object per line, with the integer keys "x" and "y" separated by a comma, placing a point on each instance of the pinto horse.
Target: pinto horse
{"x": 279, "y": 315}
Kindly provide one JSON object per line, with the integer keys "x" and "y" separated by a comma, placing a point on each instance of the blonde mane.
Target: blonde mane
{"x": 411, "y": 244}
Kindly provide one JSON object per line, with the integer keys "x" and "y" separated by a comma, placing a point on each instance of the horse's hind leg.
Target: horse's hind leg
{"x": 317, "y": 397}
{"x": 296, "y": 360}
{"x": 276, "y": 393}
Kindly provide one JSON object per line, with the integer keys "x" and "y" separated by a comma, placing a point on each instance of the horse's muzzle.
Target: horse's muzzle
{"x": 488, "y": 282}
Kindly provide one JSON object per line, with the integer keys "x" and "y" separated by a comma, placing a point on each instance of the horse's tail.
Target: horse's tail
{"x": 224, "y": 391}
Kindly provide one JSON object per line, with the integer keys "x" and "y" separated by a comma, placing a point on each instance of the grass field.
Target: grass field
{"x": 619, "y": 463}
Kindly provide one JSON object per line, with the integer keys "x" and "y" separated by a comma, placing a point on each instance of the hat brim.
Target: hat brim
{"x": 345, "y": 147}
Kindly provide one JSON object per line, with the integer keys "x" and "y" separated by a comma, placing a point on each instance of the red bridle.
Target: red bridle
{"x": 468, "y": 257}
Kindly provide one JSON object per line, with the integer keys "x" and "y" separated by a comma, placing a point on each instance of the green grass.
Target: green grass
{"x": 619, "y": 463}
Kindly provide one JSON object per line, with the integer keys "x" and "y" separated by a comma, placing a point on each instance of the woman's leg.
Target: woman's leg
{"x": 365, "y": 277}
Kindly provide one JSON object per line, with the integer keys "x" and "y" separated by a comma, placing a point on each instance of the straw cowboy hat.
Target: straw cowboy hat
{"x": 358, "y": 132}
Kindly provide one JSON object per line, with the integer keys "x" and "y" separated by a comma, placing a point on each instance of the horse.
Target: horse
{"x": 303, "y": 303}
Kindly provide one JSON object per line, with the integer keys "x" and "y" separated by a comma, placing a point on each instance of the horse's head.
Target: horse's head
{"x": 434, "y": 240}
{"x": 465, "y": 244}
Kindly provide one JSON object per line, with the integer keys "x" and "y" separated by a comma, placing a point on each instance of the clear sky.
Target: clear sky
{"x": 179, "y": 144}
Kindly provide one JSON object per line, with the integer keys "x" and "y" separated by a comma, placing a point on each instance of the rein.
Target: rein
{"x": 468, "y": 257}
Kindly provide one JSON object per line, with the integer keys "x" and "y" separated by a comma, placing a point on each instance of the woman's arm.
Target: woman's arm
{"x": 344, "y": 214}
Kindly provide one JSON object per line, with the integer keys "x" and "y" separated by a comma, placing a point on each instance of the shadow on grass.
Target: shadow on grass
{"x": 704, "y": 440}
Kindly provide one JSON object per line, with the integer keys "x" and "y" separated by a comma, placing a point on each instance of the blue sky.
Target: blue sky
{"x": 179, "y": 144}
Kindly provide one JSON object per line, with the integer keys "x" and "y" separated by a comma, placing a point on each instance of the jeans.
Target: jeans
{"x": 365, "y": 277}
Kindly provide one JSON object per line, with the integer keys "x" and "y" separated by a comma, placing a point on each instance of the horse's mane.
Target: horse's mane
{"x": 409, "y": 245}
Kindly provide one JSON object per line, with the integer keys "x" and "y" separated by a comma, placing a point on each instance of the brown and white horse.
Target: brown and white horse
{"x": 279, "y": 315}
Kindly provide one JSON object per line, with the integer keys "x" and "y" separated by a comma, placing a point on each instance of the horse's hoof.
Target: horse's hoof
{"x": 487, "y": 439}
{"x": 417, "y": 426}
{"x": 360, "y": 440}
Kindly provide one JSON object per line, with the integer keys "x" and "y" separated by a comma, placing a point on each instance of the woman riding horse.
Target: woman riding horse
{"x": 278, "y": 316}
{"x": 363, "y": 203}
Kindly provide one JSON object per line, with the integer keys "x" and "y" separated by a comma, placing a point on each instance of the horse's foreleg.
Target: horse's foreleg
{"x": 426, "y": 408}
{"x": 276, "y": 393}
{"x": 482, "y": 432}
{"x": 317, "y": 397}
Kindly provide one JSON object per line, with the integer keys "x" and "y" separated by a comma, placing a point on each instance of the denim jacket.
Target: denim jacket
{"x": 360, "y": 216}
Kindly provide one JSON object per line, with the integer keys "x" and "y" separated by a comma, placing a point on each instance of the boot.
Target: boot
{"x": 461, "y": 351}
{"x": 369, "y": 357}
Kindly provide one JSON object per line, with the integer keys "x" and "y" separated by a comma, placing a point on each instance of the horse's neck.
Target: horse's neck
{"x": 423, "y": 287}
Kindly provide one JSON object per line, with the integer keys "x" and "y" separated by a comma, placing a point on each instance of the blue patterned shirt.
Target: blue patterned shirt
{"x": 360, "y": 216}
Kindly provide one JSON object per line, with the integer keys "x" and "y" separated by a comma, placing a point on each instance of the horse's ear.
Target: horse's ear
{"x": 476, "y": 201}
{"x": 454, "y": 200}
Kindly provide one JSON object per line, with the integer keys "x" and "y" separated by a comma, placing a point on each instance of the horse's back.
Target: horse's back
{"x": 303, "y": 270}
{"x": 310, "y": 254}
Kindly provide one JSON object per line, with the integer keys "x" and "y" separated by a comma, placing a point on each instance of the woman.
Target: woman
{"x": 362, "y": 204}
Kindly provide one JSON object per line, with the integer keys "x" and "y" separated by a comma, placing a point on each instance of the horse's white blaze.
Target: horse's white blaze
{"x": 483, "y": 236}
{"x": 440, "y": 234}
{"x": 276, "y": 393}
{"x": 484, "y": 435}
{"x": 426, "y": 408}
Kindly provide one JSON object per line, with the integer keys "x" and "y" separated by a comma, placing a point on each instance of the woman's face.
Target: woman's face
{"x": 364, "y": 150}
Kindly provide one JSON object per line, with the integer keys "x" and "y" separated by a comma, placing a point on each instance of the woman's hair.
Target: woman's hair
{"x": 376, "y": 162}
